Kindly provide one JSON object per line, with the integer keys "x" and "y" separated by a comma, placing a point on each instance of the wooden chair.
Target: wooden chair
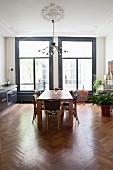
{"x": 52, "y": 107}
{"x": 74, "y": 95}
{"x": 65, "y": 106}
{"x": 82, "y": 96}
{"x": 35, "y": 106}
{"x": 37, "y": 94}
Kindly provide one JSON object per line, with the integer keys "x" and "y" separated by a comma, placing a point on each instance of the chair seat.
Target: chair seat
{"x": 65, "y": 106}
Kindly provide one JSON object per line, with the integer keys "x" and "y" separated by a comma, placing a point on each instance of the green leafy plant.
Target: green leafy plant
{"x": 96, "y": 82}
{"x": 101, "y": 98}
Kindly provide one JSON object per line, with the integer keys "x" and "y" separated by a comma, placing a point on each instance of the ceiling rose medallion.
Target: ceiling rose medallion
{"x": 52, "y": 13}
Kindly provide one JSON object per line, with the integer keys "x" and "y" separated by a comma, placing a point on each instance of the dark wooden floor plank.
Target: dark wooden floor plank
{"x": 87, "y": 146}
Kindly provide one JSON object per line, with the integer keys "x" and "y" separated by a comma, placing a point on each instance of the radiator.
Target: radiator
{"x": 25, "y": 97}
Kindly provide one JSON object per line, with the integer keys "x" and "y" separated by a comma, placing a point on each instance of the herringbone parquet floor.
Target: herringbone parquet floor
{"x": 87, "y": 146}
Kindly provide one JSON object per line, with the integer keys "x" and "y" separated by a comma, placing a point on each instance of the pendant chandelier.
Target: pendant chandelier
{"x": 52, "y": 13}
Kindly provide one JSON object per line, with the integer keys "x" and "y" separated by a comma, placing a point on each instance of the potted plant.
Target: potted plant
{"x": 104, "y": 100}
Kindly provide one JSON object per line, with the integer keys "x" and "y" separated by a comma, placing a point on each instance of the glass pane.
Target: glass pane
{"x": 26, "y": 87}
{"x": 26, "y": 74}
{"x": 69, "y": 74}
{"x": 42, "y": 71}
{"x": 85, "y": 74}
{"x": 31, "y": 48}
{"x": 77, "y": 49}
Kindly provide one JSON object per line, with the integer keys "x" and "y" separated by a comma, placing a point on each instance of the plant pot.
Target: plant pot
{"x": 105, "y": 110}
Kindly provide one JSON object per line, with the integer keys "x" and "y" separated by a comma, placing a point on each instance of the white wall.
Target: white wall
{"x": 108, "y": 49}
{"x": 10, "y": 59}
{"x": 100, "y": 57}
{"x": 2, "y": 60}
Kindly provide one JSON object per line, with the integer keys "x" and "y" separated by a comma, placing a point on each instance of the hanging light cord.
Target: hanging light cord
{"x": 53, "y": 29}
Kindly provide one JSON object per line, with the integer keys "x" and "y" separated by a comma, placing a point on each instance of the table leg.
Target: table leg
{"x": 39, "y": 113}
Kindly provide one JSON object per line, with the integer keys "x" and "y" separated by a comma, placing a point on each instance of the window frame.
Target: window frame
{"x": 17, "y": 65}
{"x": 60, "y": 59}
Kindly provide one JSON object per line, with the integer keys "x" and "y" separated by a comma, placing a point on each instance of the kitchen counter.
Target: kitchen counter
{"x": 8, "y": 96}
{"x": 7, "y": 88}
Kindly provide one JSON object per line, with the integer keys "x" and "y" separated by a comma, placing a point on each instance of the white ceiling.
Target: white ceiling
{"x": 82, "y": 18}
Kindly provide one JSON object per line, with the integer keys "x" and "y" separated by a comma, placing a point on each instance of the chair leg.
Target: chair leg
{"x": 76, "y": 116}
{"x": 33, "y": 118}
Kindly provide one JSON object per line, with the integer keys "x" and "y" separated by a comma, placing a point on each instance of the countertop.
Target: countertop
{"x": 6, "y": 88}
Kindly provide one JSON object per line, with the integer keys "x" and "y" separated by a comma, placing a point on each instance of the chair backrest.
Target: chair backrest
{"x": 34, "y": 100}
{"x": 38, "y": 93}
{"x": 74, "y": 95}
{"x": 75, "y": 100}
{"x": 71, "y": 92}
{"x": 52, "y": 105}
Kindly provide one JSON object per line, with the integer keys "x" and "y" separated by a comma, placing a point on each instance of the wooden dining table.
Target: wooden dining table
{"x": 63, "y": 96}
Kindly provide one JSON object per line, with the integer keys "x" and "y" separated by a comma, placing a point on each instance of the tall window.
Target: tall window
{"x": 33, "y": 66}
{"x": 77, "y": 66}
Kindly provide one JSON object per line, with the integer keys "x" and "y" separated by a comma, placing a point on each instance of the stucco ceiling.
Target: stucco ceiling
{"x": 81, "y": 18}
